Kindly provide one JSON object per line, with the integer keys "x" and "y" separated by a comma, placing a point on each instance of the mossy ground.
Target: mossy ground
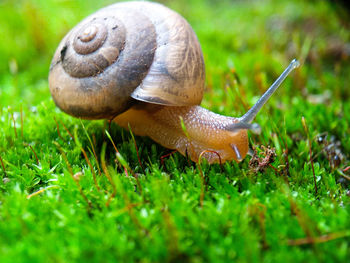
{"x": 153, "y": 209}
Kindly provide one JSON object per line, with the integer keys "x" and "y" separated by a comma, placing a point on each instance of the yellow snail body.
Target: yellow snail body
{"x": 140, "y": 64}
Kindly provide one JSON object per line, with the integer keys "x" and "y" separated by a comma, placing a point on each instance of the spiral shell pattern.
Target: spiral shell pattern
{"x": 126, "y": 52}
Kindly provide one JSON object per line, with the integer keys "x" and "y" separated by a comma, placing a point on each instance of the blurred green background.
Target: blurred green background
{"x": 246, "y": 215}
{"x": 246, "y": 35}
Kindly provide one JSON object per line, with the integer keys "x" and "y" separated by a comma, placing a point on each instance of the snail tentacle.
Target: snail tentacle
{"x": 251, "y": 114}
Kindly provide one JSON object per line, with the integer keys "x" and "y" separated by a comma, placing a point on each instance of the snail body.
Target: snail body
{"x": 204, "y": 131}
{"x": 140, "y": 64}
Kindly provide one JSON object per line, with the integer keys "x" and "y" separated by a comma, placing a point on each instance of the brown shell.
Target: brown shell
{"x": 137, "y": 50}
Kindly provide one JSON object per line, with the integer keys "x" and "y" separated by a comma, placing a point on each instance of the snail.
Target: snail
{"x": 140, "y": 64}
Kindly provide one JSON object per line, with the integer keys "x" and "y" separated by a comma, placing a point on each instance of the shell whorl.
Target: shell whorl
{"x": 126, "y": 51}
{"x": 91, "y": 52}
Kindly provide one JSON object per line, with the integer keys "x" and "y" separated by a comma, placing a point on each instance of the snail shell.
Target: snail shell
{"x": 126, "y": 51}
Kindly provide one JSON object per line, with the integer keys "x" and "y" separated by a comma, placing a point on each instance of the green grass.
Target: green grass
{"x": 158, "y": 214}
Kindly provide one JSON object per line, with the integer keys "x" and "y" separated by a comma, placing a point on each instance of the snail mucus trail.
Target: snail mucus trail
{"x": 140, "y": 64}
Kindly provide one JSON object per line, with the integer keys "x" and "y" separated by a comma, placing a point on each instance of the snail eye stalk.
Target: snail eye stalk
{"x": 251, "y": 114}
{"x": 254, "y": 127}
{"x": 244, "y": 122}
